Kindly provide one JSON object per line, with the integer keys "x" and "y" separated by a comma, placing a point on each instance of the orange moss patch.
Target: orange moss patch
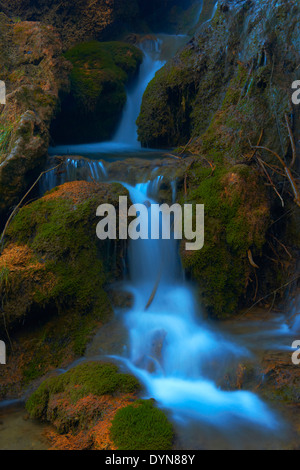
{"x": 19, "y": 258}
{"x": 76, "y": 191}
{"x": 98, "y": 414}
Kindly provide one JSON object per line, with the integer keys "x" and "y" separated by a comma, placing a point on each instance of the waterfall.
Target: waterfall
{"x": 175, "y": 355}
{"x": 73, "y": 169}
{"x": 126, "y": 136}
{"x": 206, "y": 13}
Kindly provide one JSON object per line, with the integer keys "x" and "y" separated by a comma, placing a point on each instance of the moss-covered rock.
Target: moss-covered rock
{"x": 92, "y": 109}
{"x": 106, "y": 19}
{"x": 228, "y": 77}
{"x": 141, "y": 426}
{"x": 91, "y": 378}
{"x": 53, "y": 272}
{"x": 94, "y": 406}
{"x": 34, "y": 72}
{"x": 236, "y": 218}
{"x": 225, "y": 93}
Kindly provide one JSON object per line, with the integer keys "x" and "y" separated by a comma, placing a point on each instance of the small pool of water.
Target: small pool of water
{"x": 18, "y": 432}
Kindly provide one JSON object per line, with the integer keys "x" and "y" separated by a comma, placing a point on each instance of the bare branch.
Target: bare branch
{"x": 22, "y": 200}
{"x": 292, "y": 141}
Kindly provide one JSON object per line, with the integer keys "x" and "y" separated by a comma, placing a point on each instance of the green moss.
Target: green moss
{"x": 141, "y": 426}
{"x": 236, "y": 214}
{"x": 91, "y": 378}
{"x": 62, "y": 237}
{"x": 57, "y": 292}
{"x": 61, "y": 339}
{"x": 98, "y": 78}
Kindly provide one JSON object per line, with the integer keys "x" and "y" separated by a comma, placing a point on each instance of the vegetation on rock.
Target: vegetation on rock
{"x": 93, "y": 406}
{"x": 92, "y": 109}
{"x": 236, "y": 217}
{"x": 34, "y": 72}
{"x": 222, "y": 95}
{"x": 53, "y": 271}
{"x": 91, "y": 378}
{"x": 141, "y": 426}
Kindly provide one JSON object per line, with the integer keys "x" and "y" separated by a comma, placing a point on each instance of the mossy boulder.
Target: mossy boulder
{"x": 141, "y": 426}
{"x": 226, "y": 92}
{"x": 228, "y": 78}
{"x": 237, "y": 215}
{"x": 94, "y": 406}
{"x": 91, "y": 378}
{"x": 53, "y": 274}
{"x": 34, "y": 72}
{"x": 92, "y": 109}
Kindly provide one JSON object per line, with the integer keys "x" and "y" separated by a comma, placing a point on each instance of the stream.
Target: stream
{"x": 171, "y": 348}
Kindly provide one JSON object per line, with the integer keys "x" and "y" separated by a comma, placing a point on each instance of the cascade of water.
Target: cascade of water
{"x": 171, "y": 351}
{"x": 206, "y": 12}
{"x": 126, "y": 138}
{"x": 73, "y": 169}
{"x": 126, "y": 135}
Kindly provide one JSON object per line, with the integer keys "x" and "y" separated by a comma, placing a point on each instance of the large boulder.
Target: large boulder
{"x": 84, "y": 20}
{"x": 53, "y": 277}
{"x": 93, "y": 406}
{"x": 228, "y": 83}
{"x": 237, "y": 215}
{"x": 92, "y": 109}
{"x": 34, "y": 72}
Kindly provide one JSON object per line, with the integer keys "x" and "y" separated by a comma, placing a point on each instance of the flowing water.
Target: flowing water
{"x": 174, "y": 352}
{"x": 156, "y": 52}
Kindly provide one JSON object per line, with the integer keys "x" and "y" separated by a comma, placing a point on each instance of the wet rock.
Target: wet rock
{"x": 104, "y": 19}
{"x": 53, "y": 276}
{"x": 34, "y": 73}
{"x": 227, "y": 84}
{"x": 81, "y": 404}
{"x": 92, "y": 109}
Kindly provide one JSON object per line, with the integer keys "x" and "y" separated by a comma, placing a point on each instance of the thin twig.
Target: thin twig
{"x": 269, "y": 178}
{"x": 22, "y": 200}
{"x": 5, "y": 327}
{"x": 172, "y": 156}
{"x": 271, "y": 151}
{"x": 257, "y": 145}
{"x": 283, "y": 246}
{"x": 154, "y": 289}
{"x": 269, "y": 295}
{"x": 292, "y": 141}
{"x": 287, "y": 172}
